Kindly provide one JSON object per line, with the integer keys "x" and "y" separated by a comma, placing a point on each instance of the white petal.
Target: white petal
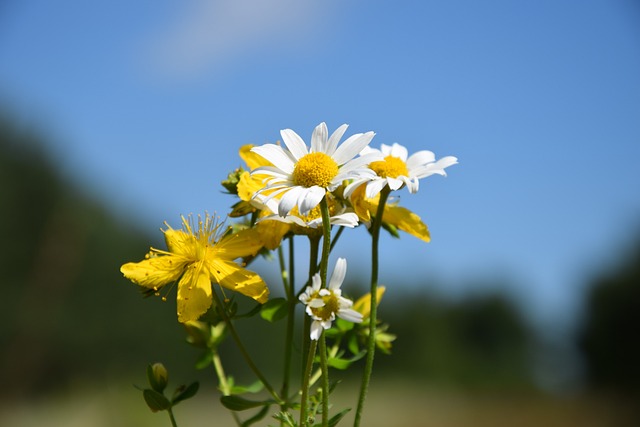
{"x": 315, "y": 303}
{"x": 289, "y": 200}
{"x": 339, "y": 271}
{"x": 374, "y": 187}
{"x": 271, "y": 171}
{"x": 335, "y": 137}
{"x": 385, "y": 149}
{"x": 316, "y": 330}
{"x": 360, "y": 162}
{"x": 413, "y": 185}
{"x": 349, "y": 189}
{"x": 348, "y": 219}
{"x": 294, "y": 143}
{"x": 319, "y": 138}
{"x": 435, "y": 168}
{"x": 276, "y": 155}
{"x": 420, "y": 158}
{"x": 352, "y": 147}
{"x": 370, "y": 150}
{"x": 399, "y": 151}
{"x": 316, "y": 282}
{"x": 310, "y": 199}
{"x": 394, "y": 183}
{"x": 350, "y": 315}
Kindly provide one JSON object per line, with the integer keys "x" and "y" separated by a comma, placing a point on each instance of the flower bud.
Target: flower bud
{"x": 158, "y": 376}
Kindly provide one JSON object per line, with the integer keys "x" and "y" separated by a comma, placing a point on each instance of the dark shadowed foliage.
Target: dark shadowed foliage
{"x": 609, "y": 338}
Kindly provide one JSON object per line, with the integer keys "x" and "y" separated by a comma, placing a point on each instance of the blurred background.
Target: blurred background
{"x": 522, "y": 310}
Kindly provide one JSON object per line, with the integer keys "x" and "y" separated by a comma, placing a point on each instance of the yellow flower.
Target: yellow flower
{"x": 395, "y": 215}
{"x": 363, "y": 304}
{"x": 196, "y": 258}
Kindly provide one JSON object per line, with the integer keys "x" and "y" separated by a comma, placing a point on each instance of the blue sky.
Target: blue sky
{"x": 149, "y": 101}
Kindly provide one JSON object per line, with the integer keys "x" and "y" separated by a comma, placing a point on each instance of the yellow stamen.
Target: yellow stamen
{"x": 315, "y": 169}
{"x": 390, "y": 167}
{"x": 330, "y": 307}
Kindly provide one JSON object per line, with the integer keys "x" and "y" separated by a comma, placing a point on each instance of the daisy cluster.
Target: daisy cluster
{"x": 287, "y": 182}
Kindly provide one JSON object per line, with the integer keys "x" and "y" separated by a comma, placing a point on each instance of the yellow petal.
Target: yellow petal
{"x": 180, "y": 242}
{"x": 363, "y": 304}
{"x": 252, "y": 159}
{"x": 233, "y": 277}
{"x": 156, "y": 271}
{"x": 248, "y": 185}
{"x": 272, "y": 232}
{"x": 363, "y": 206}
{"x": 237, "y": 245}
{"x": 406, "y": 221}
{"x": 194, "y": 293}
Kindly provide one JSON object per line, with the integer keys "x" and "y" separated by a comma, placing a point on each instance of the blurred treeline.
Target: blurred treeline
{"x": 68, "y": 316}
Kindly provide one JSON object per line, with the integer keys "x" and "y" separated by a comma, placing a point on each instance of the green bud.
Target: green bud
{"x": 231, "y": 183}
{"x": 158, "y": 377}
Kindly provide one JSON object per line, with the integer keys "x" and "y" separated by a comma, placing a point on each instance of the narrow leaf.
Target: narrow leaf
{"x": 184, "y": 393}
{"x": 237, "y": 403}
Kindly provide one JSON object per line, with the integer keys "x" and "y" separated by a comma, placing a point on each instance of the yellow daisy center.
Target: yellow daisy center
{"x": 390, "y": 167}
{"x": 330, "y": 307}
{"x": 315, "y": 169}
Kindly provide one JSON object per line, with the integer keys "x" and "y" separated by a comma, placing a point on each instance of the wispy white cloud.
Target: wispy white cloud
{"x": 209, "y": 34}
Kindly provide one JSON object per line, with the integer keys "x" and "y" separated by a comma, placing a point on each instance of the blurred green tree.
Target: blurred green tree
{"x": 609, "y": 336}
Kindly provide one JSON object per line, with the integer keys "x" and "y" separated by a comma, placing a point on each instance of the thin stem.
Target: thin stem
{"x": 243, "y": 350}
{"x": 325, "y": 380}
{"x": 288, "y": 347}
{"x": 371, "y": 340}
{"x": 326, "y": 240}
{"x": 324, "y": 262}
{"x": 172, "y": 418}
{"x": 222, "y": 378}
{"x": 305, "y": 384}
{"x": 314, "y": 247}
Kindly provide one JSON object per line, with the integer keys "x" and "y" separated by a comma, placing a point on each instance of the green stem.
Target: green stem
{"x": 243, "y": 350}
{"x": 172, "y": 418}
{"x": 325, "y": 380}
{"x": 304, "y": 400}
{"x": 314, "y": 247}
{"x": 291, "y": 300}
{"x": 222, "y": 378}
{"x": 371, "y": 340}
{"x": 324, "y": 262}
{"x": 326, "y": 240}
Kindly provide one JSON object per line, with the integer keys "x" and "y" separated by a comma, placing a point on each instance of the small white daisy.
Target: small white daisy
{"x": 397, "y": 168}
{"x": 301, "y": 176}
{"x": 323, "y": 305}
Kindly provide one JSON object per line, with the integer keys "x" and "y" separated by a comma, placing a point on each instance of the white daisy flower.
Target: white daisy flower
{"x": 323, "y": 305}
{"x": 397, "y": 168}
{"x": 301, "y": 176}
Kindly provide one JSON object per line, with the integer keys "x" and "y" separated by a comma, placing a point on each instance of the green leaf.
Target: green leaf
{"x": 155, "y": 400}
{"x": 184, "y": 393}
{"x": 391, "y": 229}
{"x": 336, "y": 418}
{"x": 237, "y": 403}
{"x": 342, "y": 364}
{"x": 257, "y": 417}
{"x": 286, "y": 418}
{"x": 255, "y": 310}
{"x": 205, "y": 360}
{"x": 333, "y": 421}
{"x": 274, "y": 309}
{"x": 251, "y": 388}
